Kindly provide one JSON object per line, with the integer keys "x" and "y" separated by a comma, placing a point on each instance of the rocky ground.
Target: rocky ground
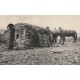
{"x": 67, "y": 54}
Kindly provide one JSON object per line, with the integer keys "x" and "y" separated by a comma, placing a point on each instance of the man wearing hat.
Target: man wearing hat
{"x": 55, "y": 37}
{"x": 12, "y": 35}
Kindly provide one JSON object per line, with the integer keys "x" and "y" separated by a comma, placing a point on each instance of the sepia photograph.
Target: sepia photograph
{"x": 39, "y": 39}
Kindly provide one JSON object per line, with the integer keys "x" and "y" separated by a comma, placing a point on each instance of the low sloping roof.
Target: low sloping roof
{"x": 30, "y": 26}
{"x": 20, "y": 25}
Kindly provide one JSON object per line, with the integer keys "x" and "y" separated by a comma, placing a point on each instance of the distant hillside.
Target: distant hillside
{"x": 2, "y": 31}
{"x": 69, "y": 39}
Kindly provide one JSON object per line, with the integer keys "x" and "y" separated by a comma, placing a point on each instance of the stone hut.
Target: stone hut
{"x": 28, "y": 36}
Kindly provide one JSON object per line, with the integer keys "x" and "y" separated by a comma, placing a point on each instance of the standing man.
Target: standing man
{"x": 12, "y": 35}
{"x": 55, "y": 36}
{"x": 49, "y": 34}
{"x": 62, "y": 36}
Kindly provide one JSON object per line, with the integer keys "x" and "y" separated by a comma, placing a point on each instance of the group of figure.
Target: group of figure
{"x": 54, "y": 34}
{"x": 62, "y": 34}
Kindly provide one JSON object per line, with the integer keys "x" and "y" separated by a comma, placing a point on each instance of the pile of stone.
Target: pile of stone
{"x": 43, "y": 40}
{"x": 29, "y": 36}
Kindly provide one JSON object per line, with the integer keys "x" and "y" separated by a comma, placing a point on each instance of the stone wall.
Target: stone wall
{"x": 28, "y": 36}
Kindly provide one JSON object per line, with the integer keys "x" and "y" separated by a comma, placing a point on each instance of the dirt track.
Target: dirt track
{"x": 67, "y": 54}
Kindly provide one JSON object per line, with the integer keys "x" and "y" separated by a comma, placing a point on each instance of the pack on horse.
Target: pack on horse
{"x": 67, "y": 33}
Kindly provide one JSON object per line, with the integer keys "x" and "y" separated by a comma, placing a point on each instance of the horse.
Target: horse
{"x": 70, "y": 33}
{"x": 63, "y": 35}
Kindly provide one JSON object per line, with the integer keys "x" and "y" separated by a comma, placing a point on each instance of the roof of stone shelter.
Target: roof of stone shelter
{"x": 22, "y": 25}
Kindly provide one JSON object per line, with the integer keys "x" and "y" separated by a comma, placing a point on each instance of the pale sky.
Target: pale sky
{"x": 66, "y": 22}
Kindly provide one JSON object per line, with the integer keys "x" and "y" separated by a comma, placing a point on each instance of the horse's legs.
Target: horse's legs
{"x": 74, "y": 41}
{"x": 60, "y": 40}
{"x": 64, "y": 38}
{"x": 75, "y": 38}
{"x": 55, "y": 39}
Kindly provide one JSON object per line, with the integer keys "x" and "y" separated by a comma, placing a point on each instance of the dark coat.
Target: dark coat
{"x": 12, "y": 36}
